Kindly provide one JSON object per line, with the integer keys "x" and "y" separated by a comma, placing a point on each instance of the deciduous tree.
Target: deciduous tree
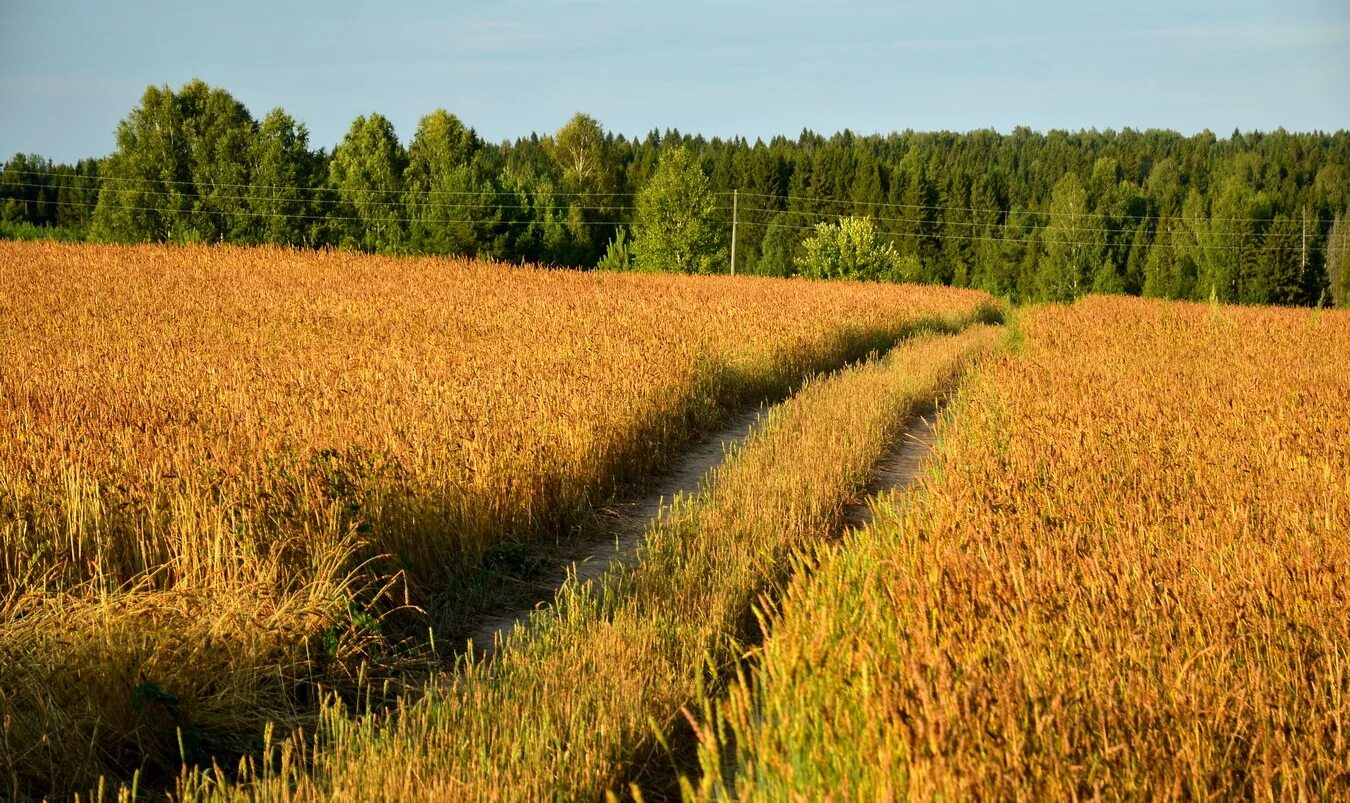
{"x": 673, "y": 229}
{"x": 282, "y": 193}
{"x": 851, "y": 249}
{"x": 451, "y": 205}
{"x": 367, "y": 173}
{"x": 1074, "y": 243}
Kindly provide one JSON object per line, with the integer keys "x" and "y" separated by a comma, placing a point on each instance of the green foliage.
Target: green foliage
{"x": 1338, "y": 261}
{"x": 180, "y": 170}
{"x": 284, "y": 210}
{"x": 582, "y": 154}
{"x": 672, "y": 230}
{"x": 778, "y": 248}
{"x": 916, "y": 227}
{"x": 218, "y": 133}
{"x": 618, "y": 254}
{"x": 1170, "y": 270}
{"x": 852, "y": 249}
{"x": 1024, "y": 215}
{"x": 452, "y": 206}
{"x": 584, "y": 158}
{"x": 1232, "y": 239}
{"x": 1074, "y": 248}
{"x": 23, "y": 230}
{"x": 367, "y": 173}
{"x": 1278, "y": 275}
{"x": 36, "y": 192}
{"x": 142, "y": 195}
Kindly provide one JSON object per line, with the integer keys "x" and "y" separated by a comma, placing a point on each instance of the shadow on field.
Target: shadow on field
{"x": 619, "y": 535}
{"x": 657, "y": 775}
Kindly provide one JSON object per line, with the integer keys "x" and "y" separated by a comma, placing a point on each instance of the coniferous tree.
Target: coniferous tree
{"x": 867, "y": 192}
{"x": 1338, "y": 261}
{"x": 1160, "y": 268}
{"x": 25, "y": 190}
{"x": 915, "y": 230}
{"x": 778, "y": 251}
{"x": 1232, "y": 241}
{"x": 1165, "y": 214}
{"x": 1279, "y": 277}
{"x": 77, "y": 194}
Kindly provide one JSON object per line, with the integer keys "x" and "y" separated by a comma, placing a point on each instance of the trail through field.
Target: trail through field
{"x": 627, "y": 523}
{"x": 898, "y": 469}
{"x": 628, "y": 520}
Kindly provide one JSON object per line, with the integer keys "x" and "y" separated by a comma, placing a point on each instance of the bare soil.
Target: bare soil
{"x": 626, "y": 522}
{"x": 898, "y": 470}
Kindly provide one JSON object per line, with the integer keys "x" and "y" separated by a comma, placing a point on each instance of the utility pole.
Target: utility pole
{"x": 734, "y": 196}
{"x": 1304, "y": 262}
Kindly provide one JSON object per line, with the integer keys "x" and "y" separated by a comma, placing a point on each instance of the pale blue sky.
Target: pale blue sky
{"x": 69, "y": 71}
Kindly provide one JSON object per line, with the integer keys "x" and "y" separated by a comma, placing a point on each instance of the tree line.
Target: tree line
{"x": 1256, "y": 217}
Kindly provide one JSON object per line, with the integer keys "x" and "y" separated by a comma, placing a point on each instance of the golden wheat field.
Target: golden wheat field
{"x": 221, "y": 467}
{"x": 246, "y": 494}
{"x": 1125, "y": 577}
{"x": 580, "y": 706}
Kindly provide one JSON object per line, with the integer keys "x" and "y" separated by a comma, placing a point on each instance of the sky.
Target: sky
{"x": 69, "y": 71}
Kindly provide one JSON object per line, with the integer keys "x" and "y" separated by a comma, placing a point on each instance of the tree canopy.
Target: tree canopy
{"x": 673, "y": 228}
{"x": 850, "y": 249}
{"x": 1251, "y": 218}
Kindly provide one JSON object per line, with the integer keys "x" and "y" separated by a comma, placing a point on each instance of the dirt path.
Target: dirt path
{"x": 627, "y": 524}
{"x": 629, "y": 519}
{"x": 898, "y": 469}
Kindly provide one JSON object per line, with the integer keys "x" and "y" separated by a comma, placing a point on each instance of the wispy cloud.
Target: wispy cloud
{"x": 66, "y": 87}
{"x": 1258, "y": 36}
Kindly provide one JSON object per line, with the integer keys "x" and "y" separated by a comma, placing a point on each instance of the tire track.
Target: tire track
{"x": 898, "y": 470}
{"x": 622, "y": 536}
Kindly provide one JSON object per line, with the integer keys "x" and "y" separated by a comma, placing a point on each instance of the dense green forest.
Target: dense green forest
{"x": 1256, "y": 217}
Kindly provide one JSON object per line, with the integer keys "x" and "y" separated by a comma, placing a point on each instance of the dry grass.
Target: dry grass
{"x": 1126, "y": 577}
{"x": 218, "y": 462}
{"x": 572, "y": 708}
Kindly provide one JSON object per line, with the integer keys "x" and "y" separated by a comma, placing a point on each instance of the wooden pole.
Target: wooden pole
{"x": 1304, "y": 260}
{"x": 734, "y": 197}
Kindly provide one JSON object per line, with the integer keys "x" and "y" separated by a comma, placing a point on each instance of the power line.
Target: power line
{"x": 1025, "y": 236}
{"x": 621, "y": 208}
{"x": 444, "y": 221}
{"x": 786, "y": 199}
{"x": 328, "y": 201}
{"x": 321, "y": 188}
{"x": 727, "y": 194}
{"x": 1004, "y": 226}
{"x": 944, "y": 223}
{"x": 247, "y": 213}
{"x": 402, "y": 203}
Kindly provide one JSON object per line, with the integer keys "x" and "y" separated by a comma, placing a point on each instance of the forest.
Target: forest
{"x": 1251, "y": 218}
